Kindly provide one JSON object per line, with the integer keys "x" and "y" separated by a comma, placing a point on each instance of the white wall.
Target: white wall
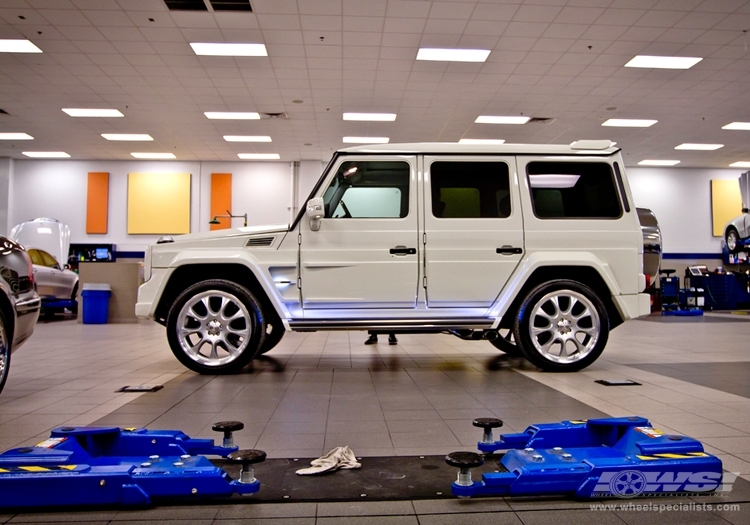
{"x": 681, "y": 200}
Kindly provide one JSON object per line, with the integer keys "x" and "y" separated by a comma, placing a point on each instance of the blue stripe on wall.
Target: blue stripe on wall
{"x": 667, "y": 256}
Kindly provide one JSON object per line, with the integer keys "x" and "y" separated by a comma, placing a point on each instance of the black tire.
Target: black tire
{"x": 274, "y": 332}
{"x": 199, "y": 334}
{"x": 577, "y": 322}
{"x": 506, "y": 342}
{"x": 732, "y": 238}
{"x": 4, "y": 351}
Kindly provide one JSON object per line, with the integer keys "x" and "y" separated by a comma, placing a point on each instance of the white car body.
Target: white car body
{"x": 464, "y": 275}
{"x": 737, "y": 231}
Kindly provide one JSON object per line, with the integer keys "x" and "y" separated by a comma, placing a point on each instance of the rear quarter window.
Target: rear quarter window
{"x": 573, "y": 190}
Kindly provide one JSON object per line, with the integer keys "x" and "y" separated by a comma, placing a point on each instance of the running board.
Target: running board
{"x": 395, "y": 325}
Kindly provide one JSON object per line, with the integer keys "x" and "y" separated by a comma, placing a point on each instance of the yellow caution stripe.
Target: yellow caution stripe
{"x": 37, "y": 468}
{"x": 688, "y": 455}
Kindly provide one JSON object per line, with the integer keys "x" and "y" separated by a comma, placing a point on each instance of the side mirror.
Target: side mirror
{"x": 315, "y": 211}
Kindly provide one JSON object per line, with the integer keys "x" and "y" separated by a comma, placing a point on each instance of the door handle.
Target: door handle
{"x": 507, "y": 249}
{"x": 403, "y": 250}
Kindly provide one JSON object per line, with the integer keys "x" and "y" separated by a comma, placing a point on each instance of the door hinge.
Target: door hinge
{"x": 299, "y": 238}
{"x": 299, "y": 282}
{"x": 424, "y": 282}
{"x": 424, "y": 238}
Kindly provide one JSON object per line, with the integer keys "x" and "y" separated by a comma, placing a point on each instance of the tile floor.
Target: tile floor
{"x": 320, "y": 390}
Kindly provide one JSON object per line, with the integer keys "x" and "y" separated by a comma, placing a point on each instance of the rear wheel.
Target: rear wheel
{"x": 215, "y": 327}
{"x": 562, "y": 326}
{"x": 4, "y": 351}
{"x": 732, "y": 238}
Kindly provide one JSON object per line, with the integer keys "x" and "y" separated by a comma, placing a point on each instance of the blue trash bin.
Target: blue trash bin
{"x": 96, "y": 303}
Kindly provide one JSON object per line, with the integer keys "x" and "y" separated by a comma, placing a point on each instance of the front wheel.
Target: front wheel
{"x": 562, "y": 326}
{"x": 732, "y": 238}
{"x": 215, "y": 327}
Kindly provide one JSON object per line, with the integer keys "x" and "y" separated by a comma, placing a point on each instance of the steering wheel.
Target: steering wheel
{"x": 347, "y": 215}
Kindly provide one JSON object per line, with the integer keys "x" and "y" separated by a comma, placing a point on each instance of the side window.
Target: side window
{"x": 463, "y": 190}
{"x": 369, "y": 189}
{"x": 48, "y": 260}
{"x": 573, "y": 190}
{"x": 36, "y": 258}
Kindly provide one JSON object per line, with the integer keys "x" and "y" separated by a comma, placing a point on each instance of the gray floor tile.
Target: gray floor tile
{"x": 485, "y": 518}
{"x": 366, "y": 508}
{"x": 569, "y": 517}
{"x": 267, "y": 510}
{"x": 369, "y": 520}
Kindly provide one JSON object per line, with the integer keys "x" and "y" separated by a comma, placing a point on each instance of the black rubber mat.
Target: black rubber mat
{"x": 380, "y": 478}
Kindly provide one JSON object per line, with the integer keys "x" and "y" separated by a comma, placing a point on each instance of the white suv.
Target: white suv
{"x": 536, "y": 248}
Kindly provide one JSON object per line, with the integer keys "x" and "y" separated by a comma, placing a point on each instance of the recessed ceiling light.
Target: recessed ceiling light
{"x": 629, "y": 123}
{"x": 132, "y": 137}
{"x": 699, "y": 147}
{"x": 232, "y": 115}
{"x": 489, "y": 119}
{"x": 229, "y": 49}
{"x": 46, "y": 154}
{"x": 649, "y": 162}
{"x": 453, "y": 55}
{"x": 481, "y": 141}
{"x": 375, "y": 117}
{"x": 15, "y": 136}
{"x": 658, "y": 62}
{"x": 737, "y": 125}
{"x": 259, "y": 156}
{"x": 247, "y": 138}
{"x": 149, "y": 155}
{"x": 365, "y": 140}
{"x": 86, "y": 112}
{"x": 740, "y": 164}
{"x": 8, "y": 45}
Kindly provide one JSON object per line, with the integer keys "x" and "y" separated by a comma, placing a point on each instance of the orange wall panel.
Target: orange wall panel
{"x": 221, "y": 198}
{"x": 97, "y": 202}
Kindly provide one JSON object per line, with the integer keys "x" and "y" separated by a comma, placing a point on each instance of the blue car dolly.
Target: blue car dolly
{"x": 599, "y": 458}
{"x": 81, "y": 466}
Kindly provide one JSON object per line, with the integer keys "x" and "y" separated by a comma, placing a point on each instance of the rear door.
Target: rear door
{"x": 473, "y": 228}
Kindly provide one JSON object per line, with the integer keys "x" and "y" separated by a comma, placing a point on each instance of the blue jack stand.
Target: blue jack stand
{"x": 80, "y": 466}
{"x": 599, "y": 458}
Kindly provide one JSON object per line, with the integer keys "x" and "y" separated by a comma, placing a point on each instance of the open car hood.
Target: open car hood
{"x": 49, "y": 235}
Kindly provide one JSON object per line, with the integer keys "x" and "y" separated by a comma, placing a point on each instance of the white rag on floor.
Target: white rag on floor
{"x": 338, "y": 458}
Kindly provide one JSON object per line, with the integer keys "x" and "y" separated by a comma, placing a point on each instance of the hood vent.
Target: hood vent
{"x": 259, "y": 241}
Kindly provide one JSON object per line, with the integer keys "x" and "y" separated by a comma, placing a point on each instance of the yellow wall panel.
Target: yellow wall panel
{"x": 158, "y": 203}
{"x": 726, "y": 203}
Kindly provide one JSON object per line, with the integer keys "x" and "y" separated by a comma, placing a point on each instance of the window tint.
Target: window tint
{"x": 580, "y": 190}
{"x": 369, "y": 189}
{"x": 462, "y": 190}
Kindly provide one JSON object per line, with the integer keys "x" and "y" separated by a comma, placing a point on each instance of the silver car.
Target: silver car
{"x": 56, "y": 285}
{"x": 19, "y": 302}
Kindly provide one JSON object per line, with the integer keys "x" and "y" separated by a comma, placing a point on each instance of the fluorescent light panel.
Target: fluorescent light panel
{"x": 489, "y": 119}
{"x": 15, "y": 136}
{"x": 452, "y": 55}
{"x": 129, "y": 137}
{"x": 46, "y": 154}
{"x": 481, "y": 141}
{"x": 259, "y": 156}
{"x": 374, "y": 117}
{"x": 247, "y": 138}
{"x": 365, "y": 140}
{"x": 229, "y": 49}
{"x": 650, "y": 162}
{"x": 232, "y": 115}
{"x": 629, "y": 123}
{"x": 740, "y": 164}
{"x": 738, "y": 125}
{"x": 699, "y": 147}
{"x": 660, "y": 62}
{"x": 149, "y": 155}
{"x": 8, "y": 45}
{"x": 89, "y": 112}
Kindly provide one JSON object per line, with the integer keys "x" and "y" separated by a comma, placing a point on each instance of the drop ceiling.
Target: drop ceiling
{"x": 561, "y": 61}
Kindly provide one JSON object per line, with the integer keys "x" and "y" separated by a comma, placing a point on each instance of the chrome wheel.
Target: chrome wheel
{"x": 4, "y": 353}
{"x": 214, "y": 328}
{"x": 564, "y": 326}
{"x": 732, "y": 240}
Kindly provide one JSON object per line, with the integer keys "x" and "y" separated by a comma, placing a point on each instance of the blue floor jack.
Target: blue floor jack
{"x": 80, "y": 466}
{"x": 599, "y": 458}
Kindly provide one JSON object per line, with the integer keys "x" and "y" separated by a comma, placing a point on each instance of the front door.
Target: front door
{"x": 364, "y": 253}
{"x": 473, "y": 229}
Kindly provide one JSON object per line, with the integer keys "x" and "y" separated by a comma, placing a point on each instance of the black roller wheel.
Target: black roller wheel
{"x": 562, "y": 326}
{"x": 215, "y": 327}
{"x": 506, "y": 342}
{"x": 273, "y": 334}
{"x": 4, "y": 351}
